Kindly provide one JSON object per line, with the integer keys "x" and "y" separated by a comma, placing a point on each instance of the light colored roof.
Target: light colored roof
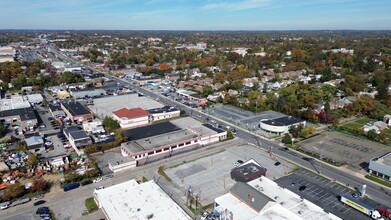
{"x": 283, "y": 204}
{"x": 130, "y": 200}
{"x": 34, "y": 140}
{"x": 131, "y": 113}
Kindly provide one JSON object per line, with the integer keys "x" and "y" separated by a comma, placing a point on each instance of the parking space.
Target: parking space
{"x": 245, "y": 119}
{"x": 105, "y": 106}
{"x": 342, "y": 149}
{"x": 210, "y": 175}
{"x": 322, "y": 192}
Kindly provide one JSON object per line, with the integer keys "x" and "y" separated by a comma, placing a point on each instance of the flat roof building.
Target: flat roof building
{"x": 130, "y": 200}
{"x": 164, "y": 113}
{"x": 132, "y": 118}
{"x": 87, "y": 93}
{"x": 381, "y": 166}
{"x": 264, "y": 199}
{"x": 248, "y": 171}
{"x": 14, "y": 102}
{"x": 76, "y": 111}
{"x": 280, "y": 125}
{"x": 25, "y": 117}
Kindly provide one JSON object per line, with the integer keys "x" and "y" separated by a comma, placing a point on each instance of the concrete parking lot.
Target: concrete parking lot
{"x": 343, "y": 149}
{"x": 103, "y": 160}
{"x": 245, "y": 119}
{"x": 210, "y": 175}
{"x": 105, "y": 106}
{"x": 324, "y": 193}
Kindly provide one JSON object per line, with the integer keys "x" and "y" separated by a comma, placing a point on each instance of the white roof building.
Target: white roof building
{"x": 264, "y": 199}
{"x": 130, "y": 200}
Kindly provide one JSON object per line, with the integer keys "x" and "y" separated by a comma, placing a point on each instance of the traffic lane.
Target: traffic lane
{"x": 330, "y": 172}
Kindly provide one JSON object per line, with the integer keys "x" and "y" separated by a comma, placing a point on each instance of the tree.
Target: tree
{"x": 110, "y": 123}
{"x": 39, "y": 185}
{"x": 287, "y": 139}
{"x": 14, "y": 191}
{"x": 207, "y": 90}
{"x": 3, "y": 130}
{"x": 32, "y": 160}
{"x": 92, "y": 173}
{"x": 149, "y": 62}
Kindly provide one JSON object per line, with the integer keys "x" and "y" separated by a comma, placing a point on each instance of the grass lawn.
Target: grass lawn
{"x": 353, "y": 125}
{"x": 364, "y": 120}
{"x": 91, "y": 205}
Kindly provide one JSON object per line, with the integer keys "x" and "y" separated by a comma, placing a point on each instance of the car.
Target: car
{"x": 212, "y": 121}
{"x": 302, "y": 188}
{"x": 48, "y": 143}
{"x": 97, "y": 180}
{"x": 99, "y": 188}
{"x": 309, "y": 159}
{"x": 40, "y": 202}
{"x": 45, "y": 215}
{"x": 86, "y": 182}
{"x": 294, "y": 183}
{"x": 277, "y": 163}
{"x": 284, "y": 149}
{"x": 109, "y": 176}
{"x": 42, "y": 126}
{"x": 38, "y": 197}
{"x": 42, "y": 210}
{"x": 240, "y": 161}
{"x": 4, "y": 207}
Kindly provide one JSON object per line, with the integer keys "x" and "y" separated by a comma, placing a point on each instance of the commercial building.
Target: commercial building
{"x": 34, "y": 143}
{"x": 164, "y": 113}
{"x": 248, "y": 171}
{"x": 88, "y": 93}
{"x": 381, "y": 166}
{"x": 76, "y": 111}
{"x": 56, "y": 111}
{"x": 34, "y": 98}
{"x": 264, "y": 199}
{"x": 14, "y": 102}
{"x": 94, "y": 127}
{"x": 130, "y": 200}
{"x": 132, "y": 118}
{"x": 62, "y": 94}
{"x": 25, "y": 117}
{"x": 77, "y": 138}
{"x": 157, "y": 141}
{"x": 7, "y": 54}
{"x": 280, "y": 125}
{"x": 121, "y": 164}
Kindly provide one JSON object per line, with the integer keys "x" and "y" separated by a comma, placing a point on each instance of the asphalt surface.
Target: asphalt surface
{"x": 375, "y": 191}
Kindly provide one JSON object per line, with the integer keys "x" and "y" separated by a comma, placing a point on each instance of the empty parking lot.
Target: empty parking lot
{"x": 210, "y": 175}
{"x": 343, "y": 149}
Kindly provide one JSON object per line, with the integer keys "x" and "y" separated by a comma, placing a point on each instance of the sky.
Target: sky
{"x": 196, "y": 14}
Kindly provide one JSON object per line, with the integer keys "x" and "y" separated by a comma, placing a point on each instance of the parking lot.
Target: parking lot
{"x": 322, "y": 192}
{"x": 105, "y": 106}
{"x": 343, "y": 149}
{"x": 210, "y": 175}
{"x": 243, "y": 118}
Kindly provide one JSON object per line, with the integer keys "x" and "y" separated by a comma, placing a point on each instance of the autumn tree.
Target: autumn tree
{"x": 14, "y": 191}
{"x": 39, "y": 185}
{"x": 32, "y": 160}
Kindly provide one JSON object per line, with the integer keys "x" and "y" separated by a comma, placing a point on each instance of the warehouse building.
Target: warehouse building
{"x": 264, "y": 199}
{"x": 280, "y": 125}
{"x": 25, "y": 117}
{"x": 158, "y": 141}
{"x": 164, "y": 113}
{"x": 88, "y": 93}
{"x": 77, "y": 138}
{"x": 77, "y": 112}
{"x": 381, "y": 166}
{"x": 131, "y": 200}
{"x": 13, "y": 102}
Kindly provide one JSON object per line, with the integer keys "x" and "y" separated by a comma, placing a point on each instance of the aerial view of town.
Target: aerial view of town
{"x": 204, "y": 110}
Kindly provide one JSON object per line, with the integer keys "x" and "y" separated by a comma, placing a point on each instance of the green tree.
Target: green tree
{"x": 110, "y": 123}
{"x": 287, "y": 139}
{"x": 14, "y": 191}
{"x": 3, "y": 130}
{"x": 32, "y": 160}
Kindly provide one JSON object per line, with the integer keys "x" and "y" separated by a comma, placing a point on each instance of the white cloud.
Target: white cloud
{"x": 237, "y": 6}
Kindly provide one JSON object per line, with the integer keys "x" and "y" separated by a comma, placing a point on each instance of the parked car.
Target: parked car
{"x": 40, "y": 202}
{"x": 38, "y": 197}
{"x": 277, "y": 163}
{"x": 294, "y": 183}
{"x": 42, "y": 210}
{"x": 302, "y": 188}
{"x": 99, "y": 188}
{"x": 86, "y": 182}
{"x": 356, "y": 195}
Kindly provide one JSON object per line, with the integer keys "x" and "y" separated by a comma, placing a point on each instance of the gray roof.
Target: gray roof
{"x": 24, "y": 113}
{"x": 76, "y": 108}
{"x": 245, "y": 192}
{"x": 76, "y": 133}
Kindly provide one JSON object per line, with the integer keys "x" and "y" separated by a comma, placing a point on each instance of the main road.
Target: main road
{"x": 341, "y": 175}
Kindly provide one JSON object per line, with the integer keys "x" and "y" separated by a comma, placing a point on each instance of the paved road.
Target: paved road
{"x": 66, "y": 203}
{"x": 343, "y": 176}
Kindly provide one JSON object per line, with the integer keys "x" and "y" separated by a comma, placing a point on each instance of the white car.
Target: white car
{"x": 49, "y": 143}
{"x": 4, "y": 207}
{"x": 99, "y": 188}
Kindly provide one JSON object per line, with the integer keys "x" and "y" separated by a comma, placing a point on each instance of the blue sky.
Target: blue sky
{"x": 196, "y": 14}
